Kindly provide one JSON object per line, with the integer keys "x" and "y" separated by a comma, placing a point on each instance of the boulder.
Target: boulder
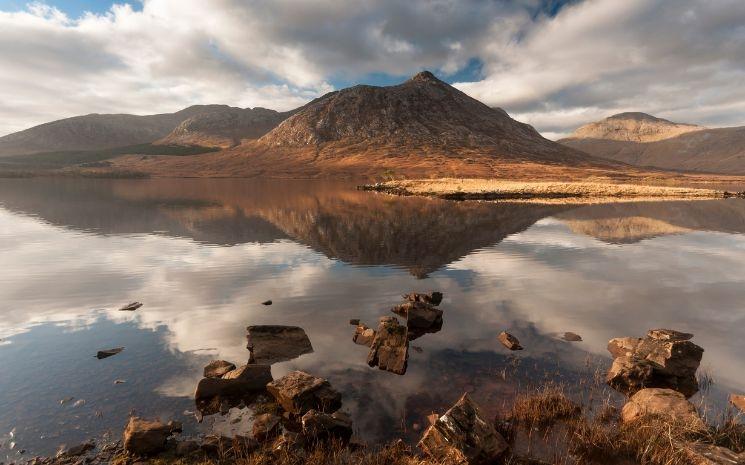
{"x": 390, "y": 347}
{"x": 462, "y": 435}
{"x": 363, "y": 335}
{"x": 147, "y": 437}
{"x": 509, "y": 341}
{"x": 217, "y": 368}
{"x": 433, "y": 298}
{"x": 272, "y": 344}
{"x": 420, "y": 315}
{"x": 265, "y": 426}
{"x": 662, "y": 402}
{"x": 242, "y": 384}
{"x": 320, "y": 426}
{"x": 664, "y": 359}
{"x": 299, "y": 392}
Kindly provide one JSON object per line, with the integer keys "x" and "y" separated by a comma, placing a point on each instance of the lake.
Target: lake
{"x": 202, "y": 256}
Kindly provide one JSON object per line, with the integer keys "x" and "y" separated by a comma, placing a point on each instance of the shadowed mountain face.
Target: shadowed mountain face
{"x": 361, "y": 228}
{"x": 648, "y": 141}
{"x": 95, "y": 131}
{"x": 633, "y": 222}
{"x": 224, "y": 126}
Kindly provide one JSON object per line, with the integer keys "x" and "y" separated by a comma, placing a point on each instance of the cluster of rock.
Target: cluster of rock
{"x": 658, "y": 373}
{"x": 389, "y": 344}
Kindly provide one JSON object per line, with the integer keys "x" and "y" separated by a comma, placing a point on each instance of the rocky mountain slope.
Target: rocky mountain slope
{"x": 634, "y": 127}
{"x": 96, "y": 131}
{"x": 662, "y": 144}
{"x": 224, "y": 126}
{"x": 420, "y": 128}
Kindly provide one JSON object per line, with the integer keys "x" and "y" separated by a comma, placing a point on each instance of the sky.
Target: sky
{"x": 555, "y": 64}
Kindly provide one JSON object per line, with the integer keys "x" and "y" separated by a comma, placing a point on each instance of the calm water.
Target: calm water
{"x": 202, "y": 255}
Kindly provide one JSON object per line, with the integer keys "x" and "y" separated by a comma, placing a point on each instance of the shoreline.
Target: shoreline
{"x": 543, "y": 191}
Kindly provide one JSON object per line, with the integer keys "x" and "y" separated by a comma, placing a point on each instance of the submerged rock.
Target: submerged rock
{"x": 509, "y": 341}
{"x": 320, "y": 426}
{"x": 664, "y": 359}
{"x": 390, "y": 347}
{"x": 463, "y": 435}
{"x": 363, "y": 335}
{"x": 433, "y": 298}
{"x": 272, "y": 343}
{"x": 76, "y": 451}
{"x": 146, "y": 437}
{"x": 298, "y": 392}
{"x": 217, "y": 368}
{"x": 266, "y": 302}
{"x": 106, "y": 353}
{"x": 131, "y": 307}
{"x": 662, "y": 402}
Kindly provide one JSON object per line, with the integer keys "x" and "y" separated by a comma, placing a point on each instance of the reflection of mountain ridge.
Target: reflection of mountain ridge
{"x": 362, "y": 228}
{"x": 632, "y": 222}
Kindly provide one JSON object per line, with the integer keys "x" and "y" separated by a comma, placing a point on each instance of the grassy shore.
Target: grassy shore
{"x": 543, "y": 191}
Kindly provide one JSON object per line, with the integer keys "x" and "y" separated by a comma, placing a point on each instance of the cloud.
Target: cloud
{"x": 680, "y": 59}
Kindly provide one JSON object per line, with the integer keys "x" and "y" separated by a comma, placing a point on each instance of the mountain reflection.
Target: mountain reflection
{"x": 361, "y": 228}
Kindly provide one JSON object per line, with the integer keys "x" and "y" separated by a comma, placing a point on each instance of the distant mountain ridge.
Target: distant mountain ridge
{"x": 643, "y": 140}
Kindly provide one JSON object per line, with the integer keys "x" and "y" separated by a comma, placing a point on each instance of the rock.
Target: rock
{"x": 363, "y": 335}
{"x": 265, "y": 426}
{"x": 462, "y": 435}
{"x": 664, "y": 359}
{"x": 272, "y": 344}
{"x": 390, "y": 347}
{"x": 217, "y": 368}
{"x": 432, "y": 418}
{"x": 144, "y": 437}
{"x": 709, "y": 454}
{"x": 299, "y": 392}
{"x": 738, "y": 401}
{"x": 184, "y": 448}
{"x": 131, "y": 307}
{"x": 662, "y": 402}
{"x": 119, "y": 381}
{"x": 509, "y": 341}
{"x": 572, "y": 337}
{"x": 243, "y": 383}
{"x": 420, "y": 315}
{"x": 78, "y": 450}
{"x": 354, "y": 321}
{"x": 266, "y": 302}
{"x": 108, "y": 352}
{"x": 291, "y": 444}
{"x": 433, "y": 298}
{"x": 321, "y": 426}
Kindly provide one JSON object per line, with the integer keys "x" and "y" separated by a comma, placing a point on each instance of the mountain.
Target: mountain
{"x": 224, "y": 126}
{"x": 654, "y": 142}
{"x": 634, "y": 127}
{"x": 422, "y": 127}
{"x": 95, "y": 132}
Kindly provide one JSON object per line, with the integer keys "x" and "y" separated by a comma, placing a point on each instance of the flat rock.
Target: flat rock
{"x": 662, "y": 402}
{"x": 106, "y": 353}
{"x": 390, "y": 348}
{"x": 363, "y": 335}
{"x": 242, "y": 384}
{"x": 265, "y": 426}
{"x": 509, "y": 341}
{"x": 320, "y": 426}
{"x": 433, "y": 298}
{"x": 131, "y": 307}
{"x": 272, "y": 343}
{"x": 664, "y": 359}
{"x": 147, "y": 437}
{"x": 464, "y": 436}
{"x": 217, "y": 368}
{"x": 299, "y": 392}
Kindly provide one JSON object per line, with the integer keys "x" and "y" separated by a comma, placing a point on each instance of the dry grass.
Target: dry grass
{"x": 544, "y": 407}
{"x": 544, "y": 191}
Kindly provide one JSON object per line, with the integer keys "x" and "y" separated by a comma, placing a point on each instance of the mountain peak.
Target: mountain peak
{"x": 634, "y": 127}
{"x": 424, "y": 76}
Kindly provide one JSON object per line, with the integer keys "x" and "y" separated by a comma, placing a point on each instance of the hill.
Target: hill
{"x": 634, "y": 127}
{"x": 663, "y": 144}
{"x": 95, "y": 132}
{"x": 224, "y": 126}
{"x": 422, "y": 127}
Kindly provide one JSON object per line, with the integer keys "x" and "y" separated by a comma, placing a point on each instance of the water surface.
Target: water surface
{"x": 203, "y": 254}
